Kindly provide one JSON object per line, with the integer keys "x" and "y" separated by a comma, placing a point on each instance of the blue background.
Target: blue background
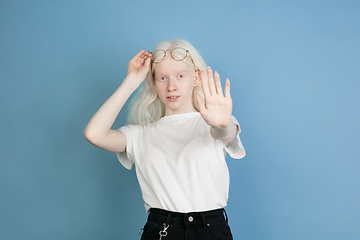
{"x": 294, "y": 69}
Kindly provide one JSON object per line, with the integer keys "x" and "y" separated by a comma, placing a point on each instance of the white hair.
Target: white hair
{"x": 146, "y": 107}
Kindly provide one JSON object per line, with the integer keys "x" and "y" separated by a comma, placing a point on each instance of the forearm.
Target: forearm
{"x": 100, "y": 124}
{"x": 226, "y": 134}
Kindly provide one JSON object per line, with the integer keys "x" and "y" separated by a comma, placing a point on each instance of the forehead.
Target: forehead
{"x": 169, "y": 65}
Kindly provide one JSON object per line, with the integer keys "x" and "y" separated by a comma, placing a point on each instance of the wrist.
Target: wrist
{"x": 131, "y": 82}
{"x": 223, "y": 133}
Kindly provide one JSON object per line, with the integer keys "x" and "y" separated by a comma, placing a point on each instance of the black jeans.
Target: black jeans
{"x": 209, "y": 225}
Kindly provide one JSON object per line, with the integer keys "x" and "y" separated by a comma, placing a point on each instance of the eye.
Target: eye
{"x": 180, "y": 76}
{"x": 162, "y": 78}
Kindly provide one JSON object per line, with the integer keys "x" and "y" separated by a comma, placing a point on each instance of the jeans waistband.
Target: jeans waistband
{"x": 191, "y": 218}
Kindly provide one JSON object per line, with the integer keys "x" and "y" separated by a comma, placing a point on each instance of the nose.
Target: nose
{"x": 171, "y": 85}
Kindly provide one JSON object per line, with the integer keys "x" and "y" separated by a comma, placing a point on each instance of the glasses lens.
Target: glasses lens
{"x": 158, "y": 56}
{"x": 179, "y": 54}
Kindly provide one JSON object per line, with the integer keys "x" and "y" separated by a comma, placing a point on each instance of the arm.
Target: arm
{"x": 217, "y": 108}
{"x": 227, "y": 134}
{"x": 98, "y": 131}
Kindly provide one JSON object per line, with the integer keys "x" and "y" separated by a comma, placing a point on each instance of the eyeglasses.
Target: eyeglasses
{"x": 178, "y": 54}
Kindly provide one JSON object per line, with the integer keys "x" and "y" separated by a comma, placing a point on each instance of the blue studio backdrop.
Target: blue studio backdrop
{"x": 294, "y": 68}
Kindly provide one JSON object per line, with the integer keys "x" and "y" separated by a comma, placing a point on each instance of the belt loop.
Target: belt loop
{"x": 202, "y": 215}
{"x": 168, "y": 219}
{"x": 226, "y": 217}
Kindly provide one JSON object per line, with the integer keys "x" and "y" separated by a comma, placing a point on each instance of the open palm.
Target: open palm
{"x": 217, "y": 108}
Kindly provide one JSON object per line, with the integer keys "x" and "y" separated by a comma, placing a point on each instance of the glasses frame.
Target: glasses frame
{"x": 165, "y": 54}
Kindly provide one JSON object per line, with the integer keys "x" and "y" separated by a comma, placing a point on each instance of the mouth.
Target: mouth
{"x": 173, "y": 98}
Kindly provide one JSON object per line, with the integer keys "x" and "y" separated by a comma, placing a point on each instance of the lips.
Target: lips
{"x": 173, "y": 98}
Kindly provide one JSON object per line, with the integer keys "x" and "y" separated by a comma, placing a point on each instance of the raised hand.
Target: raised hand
{"x": 217, "y": 108}
{"x": 139, "y": 66}
{"x": 98, "y": 131}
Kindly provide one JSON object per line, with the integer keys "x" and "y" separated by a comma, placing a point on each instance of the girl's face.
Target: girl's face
{"x": 174, "y": 83}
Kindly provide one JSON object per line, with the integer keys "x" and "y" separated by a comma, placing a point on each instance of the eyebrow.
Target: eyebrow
{"x": 177, "y": 72}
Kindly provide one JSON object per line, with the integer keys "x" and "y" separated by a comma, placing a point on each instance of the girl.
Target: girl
{"x": 181, "y": 128}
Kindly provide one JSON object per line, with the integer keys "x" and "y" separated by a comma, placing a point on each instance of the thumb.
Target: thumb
{"x": 200, "y": 102}
{"x": 147, "y": 62}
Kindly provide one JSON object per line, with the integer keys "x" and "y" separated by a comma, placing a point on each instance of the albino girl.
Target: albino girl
{"x": 180, "y": 129}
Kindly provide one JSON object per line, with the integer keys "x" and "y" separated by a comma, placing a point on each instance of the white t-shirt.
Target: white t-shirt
{"x": 179, "y": 165}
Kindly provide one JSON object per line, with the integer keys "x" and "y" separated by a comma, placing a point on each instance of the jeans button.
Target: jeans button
{"x": 191, "y": 219}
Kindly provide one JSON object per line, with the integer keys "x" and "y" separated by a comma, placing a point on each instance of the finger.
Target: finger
{"x": 211, "y": 81}
{"x": 218, "y": 84}
{"x": 135, "y": 59}
{"x": 200, "y": 102}
{"x": 138, "y": 59}
{"x": 138, "y": 55}
{"x": 204, "y": 85}
{"x": 227, "y": 88}
{"x": 147, "y": 61}
{"x": 146, "y": 55}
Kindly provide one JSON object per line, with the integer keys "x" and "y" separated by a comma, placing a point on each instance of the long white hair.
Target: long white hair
{"x": 146, "y": 107}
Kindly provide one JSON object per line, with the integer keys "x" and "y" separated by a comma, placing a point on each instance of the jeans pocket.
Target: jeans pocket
{"x": 151, "y": 231}
{"x": 221, "y": 231}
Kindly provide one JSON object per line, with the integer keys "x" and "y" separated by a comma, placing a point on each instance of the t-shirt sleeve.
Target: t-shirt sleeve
{"x": 127, "y": 158}
{"x": 235, "y": 148}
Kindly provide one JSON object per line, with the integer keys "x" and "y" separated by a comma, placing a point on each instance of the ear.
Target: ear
{"x": 197, "y": 78}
